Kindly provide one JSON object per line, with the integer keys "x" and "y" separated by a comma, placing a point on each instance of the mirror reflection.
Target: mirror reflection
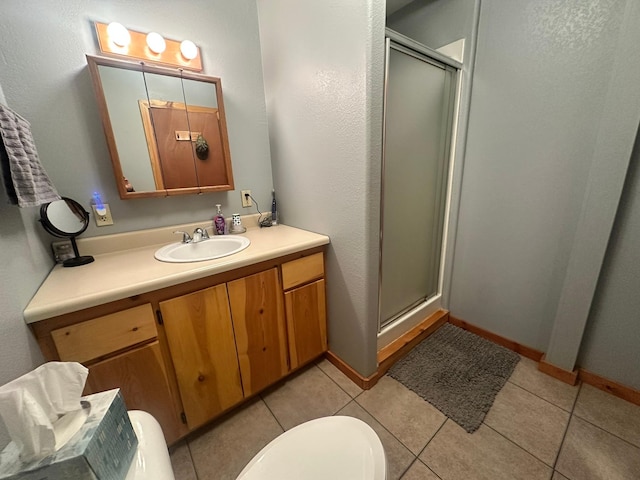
{"x": 165, "y": 129}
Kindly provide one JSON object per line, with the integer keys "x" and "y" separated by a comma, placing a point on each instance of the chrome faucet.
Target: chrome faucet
{"x": 199, "y": 234}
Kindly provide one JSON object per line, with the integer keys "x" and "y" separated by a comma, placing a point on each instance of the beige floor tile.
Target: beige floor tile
{"x": 222, "y": 451}
{"x": 531, "y": 422}
{"x": 527, "y": 376}
{"x": 340, "y": 378}
{"x": 610, "y": 413}
{"x": 183, "y": 468}
{"x": 398, "y": 457}
{"x": 590, "y": 453}
{"x": 308, "y": 395}
{"x": 408, "y": 417}
{"x": 558, "y": 476}
{"x": 419, "y": 471}
{"x": 454, "y": 454}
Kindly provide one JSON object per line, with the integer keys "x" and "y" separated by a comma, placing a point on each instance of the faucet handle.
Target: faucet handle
{"x": 186, "y": 238}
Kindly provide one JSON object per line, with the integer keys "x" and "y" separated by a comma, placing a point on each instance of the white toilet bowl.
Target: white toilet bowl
{"x": 151, "y": 461}
{"x": 336, "y": 448}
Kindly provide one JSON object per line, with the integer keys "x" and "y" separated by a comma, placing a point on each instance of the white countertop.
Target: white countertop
{"x": 121, "y": 274}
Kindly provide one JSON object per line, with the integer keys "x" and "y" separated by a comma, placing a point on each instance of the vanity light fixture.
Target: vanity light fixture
{"x": 116, "y": 40}
{"x": 118, "y": 34}
{"x": 156, "y": 43}
{"x": 188, "y": 49}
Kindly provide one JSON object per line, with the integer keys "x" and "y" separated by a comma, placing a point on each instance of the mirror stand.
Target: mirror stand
{"x": 78, "y": 260}
{"x": 65, "y": 218}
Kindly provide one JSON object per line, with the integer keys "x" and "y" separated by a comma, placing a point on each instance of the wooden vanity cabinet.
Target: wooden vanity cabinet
{"x": 189, "y": 352}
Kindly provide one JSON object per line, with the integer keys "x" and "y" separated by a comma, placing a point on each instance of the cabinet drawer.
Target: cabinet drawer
{"x": 103, "y": 335}
{"x": 303, "y": 270}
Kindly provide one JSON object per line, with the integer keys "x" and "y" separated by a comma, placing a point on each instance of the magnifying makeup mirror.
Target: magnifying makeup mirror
{"x": 66, "y": 218}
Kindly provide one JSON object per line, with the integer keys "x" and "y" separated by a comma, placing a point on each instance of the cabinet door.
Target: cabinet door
{"x": 141, "y": 376}
{"x": 306, "y": 322}
{"x": 259, "y": 325}
{"x": 200, "y": 337}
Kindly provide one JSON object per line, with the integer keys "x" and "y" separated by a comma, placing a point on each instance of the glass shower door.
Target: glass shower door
{"x": 419, "y": 101}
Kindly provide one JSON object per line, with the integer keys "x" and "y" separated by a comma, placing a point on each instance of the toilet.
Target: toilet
{"x": 337, "y": 448}
{"x": 151, "y": 460}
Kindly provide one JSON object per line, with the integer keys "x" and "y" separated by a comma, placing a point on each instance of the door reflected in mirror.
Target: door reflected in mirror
{"x": 175, "y": 146}
{"x": 165, "y": 129}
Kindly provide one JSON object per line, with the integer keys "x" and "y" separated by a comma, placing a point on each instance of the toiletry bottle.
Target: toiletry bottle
{"x": 274, "y": 209}
{"x": 218, "y": 222}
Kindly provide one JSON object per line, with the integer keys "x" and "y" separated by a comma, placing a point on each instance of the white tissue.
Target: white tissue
{"x": 30, "y": 405}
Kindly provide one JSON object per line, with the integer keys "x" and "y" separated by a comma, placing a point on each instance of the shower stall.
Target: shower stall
{"x": 421, "y": 87}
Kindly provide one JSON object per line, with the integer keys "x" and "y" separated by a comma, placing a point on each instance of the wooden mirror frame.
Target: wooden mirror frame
{"x": 94, "y": 62}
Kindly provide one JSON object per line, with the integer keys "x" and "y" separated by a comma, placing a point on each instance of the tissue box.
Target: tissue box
{"x": 101, "y": 450}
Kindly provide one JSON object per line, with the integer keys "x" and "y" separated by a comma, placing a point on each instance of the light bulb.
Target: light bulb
{"x": 188, "y": 49}
{"x": 156, "y": 43}
{"x": 118, "y": 34}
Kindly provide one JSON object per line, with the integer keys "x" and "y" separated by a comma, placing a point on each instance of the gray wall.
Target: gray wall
{"x": 323, "y": 83}
{"x": 44, "y": 76}
{"x": 610, "y": 159}
{"x": 610, "y": 346}
{"x": 543, "y": 72}
{"x": 25, "y": 262}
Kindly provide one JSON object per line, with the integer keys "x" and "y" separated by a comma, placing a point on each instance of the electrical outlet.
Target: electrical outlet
{"x": 246, "y": 201}
{"x": 102, "y": 220}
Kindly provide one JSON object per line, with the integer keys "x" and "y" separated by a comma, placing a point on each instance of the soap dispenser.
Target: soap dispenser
{"x": 218, "y": 221}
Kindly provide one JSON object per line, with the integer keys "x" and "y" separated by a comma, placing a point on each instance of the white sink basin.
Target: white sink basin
{"x": 208, "y": 249}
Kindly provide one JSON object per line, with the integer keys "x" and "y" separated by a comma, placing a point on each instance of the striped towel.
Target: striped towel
{"x": 25, "y": 181}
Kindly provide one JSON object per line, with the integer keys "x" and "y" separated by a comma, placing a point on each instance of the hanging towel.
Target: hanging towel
{"x": 23, "y": 176}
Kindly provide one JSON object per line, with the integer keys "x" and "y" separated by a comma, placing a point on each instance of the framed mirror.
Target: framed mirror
{"x": 65, "y": 218}
{"x": 165, "y": 128}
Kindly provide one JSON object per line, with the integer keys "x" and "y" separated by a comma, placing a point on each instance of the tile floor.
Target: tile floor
{"x": 538, "y": 428}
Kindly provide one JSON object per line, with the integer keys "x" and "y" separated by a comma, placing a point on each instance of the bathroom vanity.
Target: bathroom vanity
{"x": 189, "y": 341}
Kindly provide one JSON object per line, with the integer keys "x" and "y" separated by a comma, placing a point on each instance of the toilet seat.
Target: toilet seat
{"x": 337, "y": 448}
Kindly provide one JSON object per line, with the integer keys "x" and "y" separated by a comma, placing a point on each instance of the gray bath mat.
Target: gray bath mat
{"x": 458, "y": 372}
